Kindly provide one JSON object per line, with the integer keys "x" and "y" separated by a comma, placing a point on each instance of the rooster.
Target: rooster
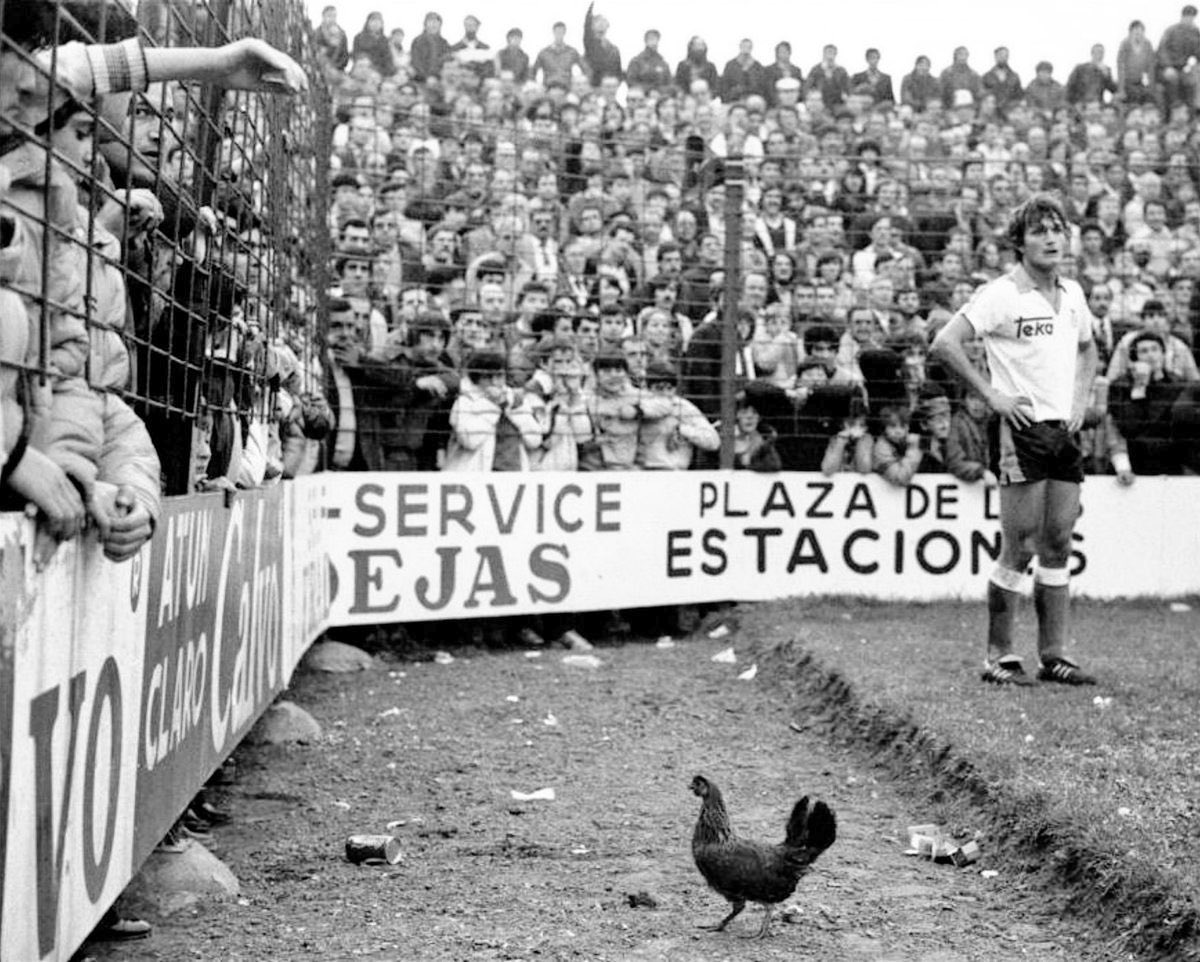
{"x": 745, "y": 871}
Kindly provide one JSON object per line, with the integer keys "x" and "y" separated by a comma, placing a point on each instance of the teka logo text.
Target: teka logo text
{"x": 1035, "y": 326}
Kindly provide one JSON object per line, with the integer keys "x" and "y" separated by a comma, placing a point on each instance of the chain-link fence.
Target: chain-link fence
{"x": 164, "y": 236}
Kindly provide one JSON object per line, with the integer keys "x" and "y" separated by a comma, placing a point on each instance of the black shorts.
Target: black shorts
{"x": 1044, "y": 451}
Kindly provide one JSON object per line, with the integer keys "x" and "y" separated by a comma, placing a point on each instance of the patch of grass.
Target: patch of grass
{"x": 1096, "y": 786}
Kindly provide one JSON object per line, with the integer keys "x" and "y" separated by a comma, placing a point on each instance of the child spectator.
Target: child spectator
{"x": 753, "y": 439}
{"x": 934, "y": 411}
{"x": 851, "y": 448}
{"x": 558, "y": 383}
{"x": 671, "y": 425}
{"x": 493, "y": 427}
{"x": 897, "y": 451}
{"x": 776, "y": 348}
{"x": 614, "y": 411}
{"x": 614, "y": 328}
{"x": 967, "y": 444}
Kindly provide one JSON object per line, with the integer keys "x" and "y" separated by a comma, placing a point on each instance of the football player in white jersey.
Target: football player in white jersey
{"x": 1037, "y": 332}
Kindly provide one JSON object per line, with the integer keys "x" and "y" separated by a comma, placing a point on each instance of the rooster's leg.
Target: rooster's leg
{"x": 765, "y": 929}
{"x": 720, "y": 926}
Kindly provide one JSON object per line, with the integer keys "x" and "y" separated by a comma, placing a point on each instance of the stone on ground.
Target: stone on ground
{"x": 337, "y": 656}
{"x": 170, "y": 882}
{"x": 283, "y": 722}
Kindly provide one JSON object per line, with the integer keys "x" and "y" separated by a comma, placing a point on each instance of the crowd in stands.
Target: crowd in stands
{"x": 523, "y": 261}
{"x": 530, "y": 249}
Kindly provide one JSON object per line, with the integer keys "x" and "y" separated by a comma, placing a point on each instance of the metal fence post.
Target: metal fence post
{"x": 731, "y": 303}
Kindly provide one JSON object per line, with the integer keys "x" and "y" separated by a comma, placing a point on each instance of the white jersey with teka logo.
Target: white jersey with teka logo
{"x": 1032, "y": 349}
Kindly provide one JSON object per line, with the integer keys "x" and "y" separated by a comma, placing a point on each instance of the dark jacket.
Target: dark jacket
{"x": 649, "y": 71}
{"x": 878, "y": 87}
{"x": 1145, "y": 427}
{"x": 396, "y": 423}
{"x": 602, "y": 57}
{"x": 739, "y": 80}
{"x": 376, "y": 47}
{"x": 428, "y": 53}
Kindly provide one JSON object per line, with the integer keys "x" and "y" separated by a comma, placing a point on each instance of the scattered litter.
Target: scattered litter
{"x": 243, "y": 902}
{"x": 988, "y": 873}
{"x": 1179, "y": 607}
{"x": 513, "y": 698}
{"x": 396, "y": 823}
{"x": 642, "y": 899}
{"x": 549, "y": 719}
{"x": 541, "y": 795}
{"x": 389, "y": 713}
{"x": 666, "y": 641}
{"x": 575, "y": 641}
{"x": 726, "y": 657}
{"x": 749, "y": 673}
{"x": 582, "y": 661}
{"x": 1028, "y": 739}
{"x": 846, "y": 616}
{"x": 580, "y": 850}
{"x": 1102, "y": 701}
{"x": 719, "y": 632}
{"x": 372, "y": 850}
{"x": 392, "y": 765}
{"x": 345, "y": 806}
{"x": 516, "y": 721}
{"x": 931, "y": 842}
{"x": 443, "y": 658}
{"x": 533, "y": 654}
{"x": 791, "y": 912}
{"x": 1124, "y": 812}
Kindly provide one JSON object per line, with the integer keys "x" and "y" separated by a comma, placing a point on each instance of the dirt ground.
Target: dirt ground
{"x": 438, "y": 750}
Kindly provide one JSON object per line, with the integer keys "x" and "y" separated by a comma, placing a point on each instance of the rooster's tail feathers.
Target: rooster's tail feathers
{"x": 814, "y": 828}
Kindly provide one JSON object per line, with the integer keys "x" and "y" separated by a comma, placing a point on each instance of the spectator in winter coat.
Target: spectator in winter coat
{"x": 1044, "y": 93}
{"x": 331, "y": 42}
{"x": 920, "y": 88}
{"x": 429, "y": 49}
{"x": 829, "y": 78}
{"x": 1090, "y": 81}
{"x": 1178, "y": 51}
{"x": 1141, "y": 409}
{"x": 743, "y": 75}
{"x": 960, "y": 76}
{"x": 512, "y": 59}
{"x": 1002, "y": 82}
{"x": 967, "y": 446}
{"x": 782, "y": 69}
{"x": 696, "y": 66}
{"x": 1136, "y": 66}
{"x": 556, "y": 63}
{"x": 897, "y": 453}
{"x": 372, "y": 43}
{"x": 615, "y": 411}
{"x": 492, "y": 426}
{"x": 648, "y": 69}
{"x": 671, "y": 426}
{"x": 601, "y": 56}
{"x": 873, "y": 82}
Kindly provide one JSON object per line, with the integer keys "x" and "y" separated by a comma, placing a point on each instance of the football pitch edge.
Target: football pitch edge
{"x": 1132, "y": 900}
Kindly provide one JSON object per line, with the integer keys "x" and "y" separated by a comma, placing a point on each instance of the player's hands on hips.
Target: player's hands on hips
{"x": 1018, "y": 411}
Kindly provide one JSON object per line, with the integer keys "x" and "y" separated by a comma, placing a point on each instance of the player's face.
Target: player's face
{"x": 1045, "y": 244}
